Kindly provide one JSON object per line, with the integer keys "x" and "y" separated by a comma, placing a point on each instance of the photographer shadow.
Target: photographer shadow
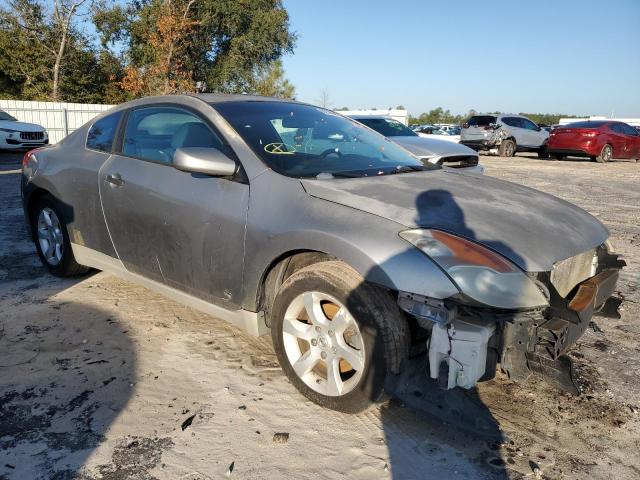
{"x": 430, "y": 432}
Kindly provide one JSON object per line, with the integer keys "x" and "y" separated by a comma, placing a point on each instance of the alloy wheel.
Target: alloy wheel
{"x": 323, "y": 344}
{"x": 50, "y": 236}
{"x": 510, "y": 149}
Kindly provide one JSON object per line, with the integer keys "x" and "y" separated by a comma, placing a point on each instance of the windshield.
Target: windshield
{"x": 387, "y": 127}
{"x": 304, "y": 141}
{"x": 6, "y": 116}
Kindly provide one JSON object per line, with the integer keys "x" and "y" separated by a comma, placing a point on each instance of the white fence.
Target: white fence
{"x": 60, "y": 119}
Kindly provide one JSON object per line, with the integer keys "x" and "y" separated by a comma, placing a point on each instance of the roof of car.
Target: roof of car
{"x": 232, "y": 97}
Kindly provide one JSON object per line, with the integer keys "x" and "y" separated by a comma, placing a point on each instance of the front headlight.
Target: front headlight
{"x": 8, "y": 130}
{"x": 479, "y": 272}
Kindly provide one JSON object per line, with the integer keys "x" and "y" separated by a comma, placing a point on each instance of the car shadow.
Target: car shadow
{"x": 66, "y": 373}
{"x": 66, "y": 367}
{"x": 429, "y": 432}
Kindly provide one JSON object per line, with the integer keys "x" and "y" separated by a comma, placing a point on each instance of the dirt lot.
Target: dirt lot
{"x": 98, "y": 376}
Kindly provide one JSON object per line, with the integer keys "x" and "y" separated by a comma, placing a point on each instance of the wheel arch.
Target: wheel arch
{"x": 394, "y": 266}
{"x": 34, "y": 195}
{"x": 281, "y": 268}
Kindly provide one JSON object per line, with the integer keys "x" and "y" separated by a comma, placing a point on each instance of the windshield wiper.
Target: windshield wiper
{"x": 346, "y": 174}
{"x": 405, "y": 169}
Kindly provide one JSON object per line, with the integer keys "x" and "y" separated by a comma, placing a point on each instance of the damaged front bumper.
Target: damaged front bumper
{"x": 467, "y": 343}
{"x": 535, "y": 343}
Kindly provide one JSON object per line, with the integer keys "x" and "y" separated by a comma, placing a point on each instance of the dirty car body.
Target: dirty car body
{"x": 217, "y": 201}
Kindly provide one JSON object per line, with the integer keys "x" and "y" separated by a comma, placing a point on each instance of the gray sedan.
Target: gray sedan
{"x": 284, "y": 217}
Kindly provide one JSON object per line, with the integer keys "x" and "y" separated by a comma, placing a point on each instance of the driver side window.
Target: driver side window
{"x": 155, "y": 133}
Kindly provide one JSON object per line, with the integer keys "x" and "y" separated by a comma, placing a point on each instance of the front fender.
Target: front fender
{"x": 292, "y": 221}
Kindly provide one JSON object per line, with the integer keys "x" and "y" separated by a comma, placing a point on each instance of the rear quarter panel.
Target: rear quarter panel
{"x": 69, "y": 172}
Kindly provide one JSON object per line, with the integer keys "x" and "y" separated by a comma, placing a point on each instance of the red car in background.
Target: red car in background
{"x": 601, "y": 140}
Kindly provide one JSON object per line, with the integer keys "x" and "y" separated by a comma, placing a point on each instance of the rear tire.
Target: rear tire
{"x": 507, "y": 148}
{"x": 606, "y": 154}
{"x": 51, "y": 238}
{"x": 346, "y": 365}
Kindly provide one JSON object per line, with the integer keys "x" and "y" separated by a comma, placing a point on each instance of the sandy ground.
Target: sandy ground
{"x": 98, "y": 376}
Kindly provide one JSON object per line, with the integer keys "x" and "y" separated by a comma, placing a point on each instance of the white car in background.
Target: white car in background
{"x": 429, "y": 148}
{"x": 15, "y": 135}
{"x": 440, "y": 133}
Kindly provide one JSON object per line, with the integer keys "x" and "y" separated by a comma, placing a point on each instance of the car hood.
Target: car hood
{"x": 20, "y": 126}
{"x": 531, "y": 228}
{"x": 431, "y": 147}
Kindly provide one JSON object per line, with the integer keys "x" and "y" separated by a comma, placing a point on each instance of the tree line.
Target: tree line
{"x": 439, "y": 115}
{"x": 100, "y": 51}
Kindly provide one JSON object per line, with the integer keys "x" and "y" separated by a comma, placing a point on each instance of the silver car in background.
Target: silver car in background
{"x": 432, "y": 150}
{"x": 285, "y": 217}
{"x": 504, "y": 135}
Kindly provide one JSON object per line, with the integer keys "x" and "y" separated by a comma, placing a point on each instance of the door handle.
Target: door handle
{"x": 115, "y": 180}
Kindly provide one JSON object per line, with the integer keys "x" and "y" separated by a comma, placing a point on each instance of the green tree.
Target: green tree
{"x": 271, "y": 82}
{"x": 547, "y": 118}
{"x": 229, "y": 44}
{"x": 46, "y": 56}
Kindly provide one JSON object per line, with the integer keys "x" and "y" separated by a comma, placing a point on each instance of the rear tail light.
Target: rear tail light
{"x": 589, "y": 133}
{"x": 465, "y": 125}
{"x": 27, "y": 156}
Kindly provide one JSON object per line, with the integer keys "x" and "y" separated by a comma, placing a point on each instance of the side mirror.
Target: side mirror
{"x": 209, "y": 161}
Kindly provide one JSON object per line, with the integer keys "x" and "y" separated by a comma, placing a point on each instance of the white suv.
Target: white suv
{"x": 15, "y": 135}
{"x": 505, "y": 135}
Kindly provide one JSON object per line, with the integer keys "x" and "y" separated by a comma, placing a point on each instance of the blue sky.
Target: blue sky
{"x": 564, "y": 56}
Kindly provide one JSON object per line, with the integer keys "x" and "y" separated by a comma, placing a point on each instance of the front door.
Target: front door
{"x": 632, "y": 141}
{"x": 618, "y": 140}
{"x": 182, "y": 229}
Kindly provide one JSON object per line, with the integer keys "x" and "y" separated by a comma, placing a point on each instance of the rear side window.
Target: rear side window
{"x": 481, "y": 120}
{"x": 101, "y": 133}
{"x": 155, "y": 133}
{"x": 616, "y": 127}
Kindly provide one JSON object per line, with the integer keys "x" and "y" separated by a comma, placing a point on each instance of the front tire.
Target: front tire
{"x": 557, "y": 156}
{"x": 606, "y": 154}
{"x": 51, "y": 238}
{"x": 507, "y": 148}
{"x": 339, "y": 340}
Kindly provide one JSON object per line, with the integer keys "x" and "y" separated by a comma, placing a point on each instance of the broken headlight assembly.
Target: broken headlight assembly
{"x": 479, "y": 273}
